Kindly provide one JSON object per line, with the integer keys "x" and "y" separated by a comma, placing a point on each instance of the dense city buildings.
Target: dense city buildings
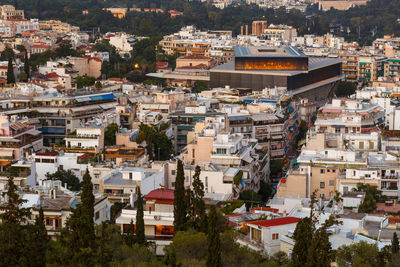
{"x": 262, "y": 133}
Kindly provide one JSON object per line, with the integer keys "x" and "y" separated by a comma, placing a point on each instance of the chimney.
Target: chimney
{"x": 247, "y": 30}
{"x": 241, "y": 30}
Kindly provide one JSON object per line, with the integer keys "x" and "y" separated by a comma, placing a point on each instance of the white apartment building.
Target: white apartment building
{"x": 87, "y": 137}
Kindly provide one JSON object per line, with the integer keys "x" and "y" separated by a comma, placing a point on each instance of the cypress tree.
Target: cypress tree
{"x": 26, "y": 66}
{"x": 197, "y": 208}
{"x": 10, "y": 72}
{"x": 179, "y": 199}
{"x": 13, "y": 234}
{"x": 140, "y": 237}
{"x": 81, "y": 226}
{"x": 213, "y": 241}
{"x": 39, "y": 241}
{"x": 87, "y": 205}
{"x": 395, "y": 244}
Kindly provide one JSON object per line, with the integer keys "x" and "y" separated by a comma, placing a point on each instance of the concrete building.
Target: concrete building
{"x": 9, "y": 12}
{"x": 91, "y": 138}
{"x": 158, "y": 217}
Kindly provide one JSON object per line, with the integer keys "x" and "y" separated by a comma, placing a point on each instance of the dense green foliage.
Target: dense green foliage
{"x": 180, "y": 206}
{"x": 196, "y": 206}
{"x": 359, "y": 254}
{"x": 66, "y": 177}
{"x": 10, "y": 72}
{"x": 140, "y": 237}
{"x": 346, "y": 89}
{"x": 84, "y": 81}
{"x": 159, "y": 146}
{"x": 213, "y": 240}
{"x": 372, "y": 196}
{"x": 110, "y": 134}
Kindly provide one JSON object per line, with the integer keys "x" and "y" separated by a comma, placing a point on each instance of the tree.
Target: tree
{"x": 115, "y": 209}
{"x": 38, "y": 241}
{"x": 13, "y": 234}
{"x": 395, "y": 244}
{"x": 27, "y": 66}
{"x": 197, "y": 211}
{"x": 180, "y": 210}
{"x": 140, "y": 237}
{"x": 81, "y": 236}
{"x": 213, "y": 240}
{"x": 84, "y": 81}
{"x": 10, "y": 72}
{"x": 302, "y": 236}
{"x": 22, "y": 76}
{"x": 110, "y": 134}
{"x": 249, "y": 197}
{"x": 98, "y": 85}
{"x": 358, "y": 254}
{"x": 346, "y": 89}
{"x": 66, "y": 177}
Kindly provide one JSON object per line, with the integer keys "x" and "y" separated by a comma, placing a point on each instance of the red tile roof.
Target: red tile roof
{"x": 161, "y": 194}
{"x": 275, "y": 222}
{"x": 17, "y": 20}
{"x": 52, "y": 75}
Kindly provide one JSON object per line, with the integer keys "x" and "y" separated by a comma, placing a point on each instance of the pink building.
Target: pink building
{"x": 17, "y": 139}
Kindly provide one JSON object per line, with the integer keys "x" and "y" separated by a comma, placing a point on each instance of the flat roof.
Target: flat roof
{"x": 267, "y": 51}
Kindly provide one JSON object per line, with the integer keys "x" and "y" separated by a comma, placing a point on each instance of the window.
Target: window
{"x": 221, "y": 150}
{"x": 255, "y": 234}
{"x": 79, "y": 144}
{"x": 37, "y": 160}
{"x": 275, "y": 236}
{"x": 130, "y": 176}
{"x": 49, "y": 222}
{"x": 333, "y": 170}
{"x": 322, "y": 185}
{"x": 328, "y": 170}
{"x": 331, "y": 182}
{"x": 61, "y": 167}
{"x": 322, "y": 170}
{"x": 173, "y": 184}
{"x": 97, "y": 215}
{"x": 173, "y": 172}
{"x": 361, "y": 145}
{"x": 322, "y": 196}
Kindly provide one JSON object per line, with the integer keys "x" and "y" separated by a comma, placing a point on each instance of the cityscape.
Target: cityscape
{"x": 200, "y": 133}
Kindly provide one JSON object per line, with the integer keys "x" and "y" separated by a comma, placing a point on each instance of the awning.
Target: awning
{"x": 83, "y": 99}
{"x": 248, "y": 159}
{"x": 102, "y": 97}
{"x": 4, "y": 163}
{"x": 34, "y": 132}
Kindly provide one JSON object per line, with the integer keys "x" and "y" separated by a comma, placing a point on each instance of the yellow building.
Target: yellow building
{"x": 117, "y": 12}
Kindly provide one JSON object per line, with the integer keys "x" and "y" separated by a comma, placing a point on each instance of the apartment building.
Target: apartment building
{"x": 392, "y": 68}
{"x": 349, "y": 66}
{"x": 349, "y": 116}
{"x": 282, "y": 33}
{"x": 158, "y": 217}
{"x": 370, "y": 68}
{"x": 18, "y": 139}
{"x": 89, "y": 139}
{"x": 9, "y": 12}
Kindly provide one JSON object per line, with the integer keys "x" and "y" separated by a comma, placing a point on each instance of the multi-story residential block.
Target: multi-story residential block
{"x": 158, "y": 217}
{"x": 349, "y": 116}
{"x": 88, "y": 138}
{"x": 18, "y": 139}
{"x": 370, "y": 68}
{"x": 350, "y": 66}
{"x": 392, "y": 68}
{"x": 9, "y": 12}
{"x": 281, "y": 33}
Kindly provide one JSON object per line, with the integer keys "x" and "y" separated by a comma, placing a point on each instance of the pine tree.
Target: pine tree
{"x": 196, "y": 209}
{"x": 213, "y": 241}
{"x": 395, "y": 244}
{"x": 13, "y": 234}
{"x": 10, "y": 72}
{"x": 179, "y": 199}
{"x": 26, "y": 66}
{"x": 39, "y": 241}
{"x": 140, "y": 237}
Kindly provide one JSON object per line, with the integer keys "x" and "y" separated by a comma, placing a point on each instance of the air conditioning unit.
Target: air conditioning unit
{"x": 157, "y": 217}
